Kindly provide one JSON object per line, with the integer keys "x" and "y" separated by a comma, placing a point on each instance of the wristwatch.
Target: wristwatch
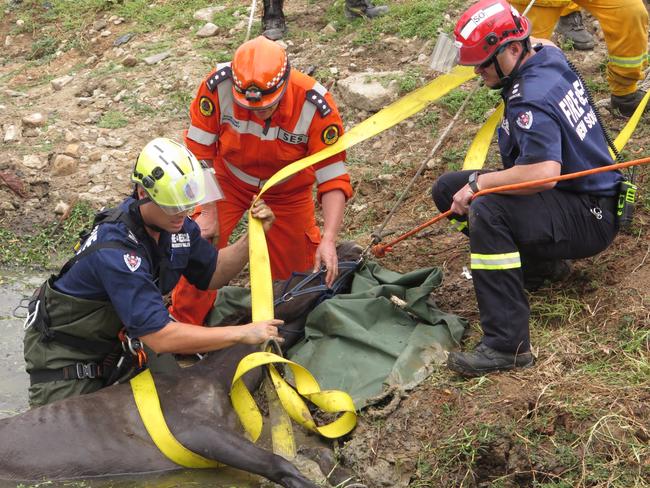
{"x": 473, "y": 182}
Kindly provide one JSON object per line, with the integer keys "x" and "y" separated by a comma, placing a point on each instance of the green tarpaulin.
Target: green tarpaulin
{"x": 386, "y": 332}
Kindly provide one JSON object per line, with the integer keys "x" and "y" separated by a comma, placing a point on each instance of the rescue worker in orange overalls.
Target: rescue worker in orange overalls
{"x": 251, "y": 118}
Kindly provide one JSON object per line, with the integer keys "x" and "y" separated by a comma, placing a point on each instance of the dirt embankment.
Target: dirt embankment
{"x": 579, "y": 418}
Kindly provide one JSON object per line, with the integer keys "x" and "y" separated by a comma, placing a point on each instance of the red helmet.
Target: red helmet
{"x": 260, "y": 69}
{"x": 486, "y": 26}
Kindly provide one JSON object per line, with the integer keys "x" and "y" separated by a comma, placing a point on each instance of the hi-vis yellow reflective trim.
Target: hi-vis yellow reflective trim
{"x": 306, "y": 386}
{"x": 629, "y": 61}
{"x": 458, "y": 225}
{"x": 146, "y": 399}
{"x": 508, "y": 260}
{"x": 477, "y": 152}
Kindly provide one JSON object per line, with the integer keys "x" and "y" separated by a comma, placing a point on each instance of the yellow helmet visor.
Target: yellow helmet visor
{"x": 188, "y": 191}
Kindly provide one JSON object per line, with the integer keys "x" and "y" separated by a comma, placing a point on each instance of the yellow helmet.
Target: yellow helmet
{"x": 173, "y": 178}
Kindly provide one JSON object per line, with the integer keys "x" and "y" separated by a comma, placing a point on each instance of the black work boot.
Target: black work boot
{"x": 537, "y": 272}
{"x": 483, "y": 360}
{"x": 363, "y": 8}
{"x": 572, "y": 28}
{"x": 627, "y": 104}
{"x": 274, "y": 25}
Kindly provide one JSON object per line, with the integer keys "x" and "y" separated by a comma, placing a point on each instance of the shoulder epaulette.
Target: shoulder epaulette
{"x": 319, "y": 100}
{"x": 515, "y": 92}
{"x": 218, "y": 76}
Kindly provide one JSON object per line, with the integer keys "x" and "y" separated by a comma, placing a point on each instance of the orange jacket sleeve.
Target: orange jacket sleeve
{"x": 202, "y": 135}
{"x": 331, "y": 173}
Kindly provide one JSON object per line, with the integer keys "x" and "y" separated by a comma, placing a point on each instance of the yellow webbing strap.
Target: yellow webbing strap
{"x": 627, "y": 131}
{"x": 331, "y": 401}
{"x": 477, "y": 152}
{"x": 146, "y": 399}
{"x": 261, "y": 283}
{"x": 262, "y": 287}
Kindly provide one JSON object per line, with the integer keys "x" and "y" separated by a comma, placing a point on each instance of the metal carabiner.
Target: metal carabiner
{"x": 597, "y": 212}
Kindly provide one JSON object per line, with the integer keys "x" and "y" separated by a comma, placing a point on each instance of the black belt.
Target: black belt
{"x": 77, "y": 371}
{"x": 605, "y": 203}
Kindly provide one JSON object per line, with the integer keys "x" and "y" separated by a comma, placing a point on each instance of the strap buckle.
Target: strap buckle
{"x": 89, "y": 370}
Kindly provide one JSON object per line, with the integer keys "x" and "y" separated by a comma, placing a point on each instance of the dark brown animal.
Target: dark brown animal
{"x": 101, "y": 434}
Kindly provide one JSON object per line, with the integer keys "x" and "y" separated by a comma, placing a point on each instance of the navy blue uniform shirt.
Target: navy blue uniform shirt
{"x": 548, "y": 118}
{"x": 126, "y": 277}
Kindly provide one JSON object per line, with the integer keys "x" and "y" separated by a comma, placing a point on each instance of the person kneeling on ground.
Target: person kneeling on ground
{"x": 520, "y": 237}
{"x": 134, "y": 255}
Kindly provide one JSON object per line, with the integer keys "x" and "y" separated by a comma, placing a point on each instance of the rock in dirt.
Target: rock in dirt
{"x": 59, "y": 83}
{"x": 129, "y": 61}
{"x": 370, "y": 91}
{"x": 63, "y": 165}
{"x": 11, "y": 134}
{"x": 208, "y": 30}
{"x": 34, "y": 120}
{"x": 34, "y": 161}
{"x": 207, "y": 14}
{"x": 157, "y": 58}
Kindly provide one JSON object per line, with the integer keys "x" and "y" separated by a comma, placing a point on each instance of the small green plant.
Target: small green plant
{"x": 454, "y": 157}
{"x": 477, "y": 107}
{"x": 567, "y": 44}
{"x": 429, "y": 119}
{"x": 409, "y": 81}
{"x": 113, "y": 119}
{"x": 45, "y": 46}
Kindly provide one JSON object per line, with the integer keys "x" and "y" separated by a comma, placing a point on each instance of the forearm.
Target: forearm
{"x": 230, "y": 261}
{"x": 521, "y": 174}
{"x": 180, "y": 338}
{"x": 333, "y": 203}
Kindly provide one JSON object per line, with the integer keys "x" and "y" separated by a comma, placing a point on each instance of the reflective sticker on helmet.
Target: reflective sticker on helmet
{"x": 525, "y": 119}
{"x": 191, "y": 190}
{"x": 132, "y": 261}
{"x": 330, "y": 134}
{"x": 206, "y": 106}
{"x": 479, "y": 17}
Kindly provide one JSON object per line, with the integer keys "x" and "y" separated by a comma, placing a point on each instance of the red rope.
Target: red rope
{"x": 380, "y": 250}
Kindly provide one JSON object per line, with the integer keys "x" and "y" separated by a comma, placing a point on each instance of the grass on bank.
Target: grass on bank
{"x": 47, "y": 245}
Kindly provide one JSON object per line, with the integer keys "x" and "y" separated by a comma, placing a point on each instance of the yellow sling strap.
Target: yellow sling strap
{"x": 331, "y": 401}
{"x": 143, "y": 387}
{"x": 261, "y": 282}
{"x": 631, "y": 124}
{"x": 477, "y": 152}
{"x": 146, "y": 399}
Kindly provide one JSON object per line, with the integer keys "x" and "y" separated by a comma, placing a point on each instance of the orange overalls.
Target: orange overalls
{"x": 245, "y": 152}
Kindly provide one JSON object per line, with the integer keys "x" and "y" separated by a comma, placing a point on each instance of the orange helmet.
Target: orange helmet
{"x": 260, "y": 69}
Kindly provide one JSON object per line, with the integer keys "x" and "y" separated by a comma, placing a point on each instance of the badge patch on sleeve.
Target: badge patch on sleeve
{"x": 206, "y": 106}
{"x": 132, "y": 261}
{"x": 330, "y": 134}
{"x": 525, "y": 119}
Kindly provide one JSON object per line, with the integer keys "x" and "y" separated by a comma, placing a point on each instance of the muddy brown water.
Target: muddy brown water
{"x": 13, "y": 400}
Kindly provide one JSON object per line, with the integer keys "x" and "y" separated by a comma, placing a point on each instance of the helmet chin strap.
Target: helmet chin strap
{"x": 506, "y": 80}
{"x": 136, "y": 206}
